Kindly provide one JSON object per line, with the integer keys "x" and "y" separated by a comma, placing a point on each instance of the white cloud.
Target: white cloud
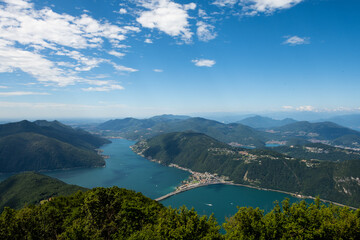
{"x": 124, "y": 69}
{"x": 103, "y": 89}
{"x": 203, "y": 62}
{"x": 223, "y": 3}
{"x": 3, "y": 87}
{"x": 122, "y": 11}
{"x": 20, "y": 93}
{"x": 288, "y": 107}
{"x": 34, "y": 64}
{"x": 205, "y": 32}
{"x": 167, "y": 16}
{"x": 158, "y": 70}
{"x": 116, "y": 53}
{"x": 26, "y": 31}
{"x": 83, "y": 63}
{"x": 148, "y": 40}
{"x": 252, "y": 7}
{"x": 295, "y": 40}
{"x": 47, "y": 28}
{"x": 305, "y": 109}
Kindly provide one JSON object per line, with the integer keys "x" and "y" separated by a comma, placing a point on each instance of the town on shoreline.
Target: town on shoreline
{"x": 197, "y": 179}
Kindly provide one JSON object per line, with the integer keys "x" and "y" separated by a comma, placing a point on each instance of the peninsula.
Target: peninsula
{"x": 210, "y": 160}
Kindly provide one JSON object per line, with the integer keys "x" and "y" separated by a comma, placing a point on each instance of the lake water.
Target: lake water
{"x": 222, "y": 200}
{"x": 125, "y": 169}
{"x": 128, "y": 170}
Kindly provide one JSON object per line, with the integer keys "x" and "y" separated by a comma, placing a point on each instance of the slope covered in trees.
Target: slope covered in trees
{"x": 335, "y": 181}
{"x": 241, "y": 133}
{"x": 114, "y": 213}
{"x": 136, "y": 129}
{"x": 101, "y": 213}
{"x": 42, "y": 145}
{"x": 265, "y": 122}
{"x": 329, "y": 132}
{"x": 31, "y": 188}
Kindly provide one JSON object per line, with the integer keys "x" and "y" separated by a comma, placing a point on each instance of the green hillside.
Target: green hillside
{"x": 336, "y": 181}
{"x": 329, "y": 132}
{"x": 242, "y": 133}
{"x": 265, "y": 122}
{"x": 30, "y": 188}
{"x": 136, "y": 129}
{"x": 101, "y": 213}
{"x": 27, "y": 146}
{"x": 318, "y": 151}
{"x": 114, "y": 213}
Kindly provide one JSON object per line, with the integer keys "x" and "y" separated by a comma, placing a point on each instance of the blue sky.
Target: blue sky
{"x": 106, "y": 59}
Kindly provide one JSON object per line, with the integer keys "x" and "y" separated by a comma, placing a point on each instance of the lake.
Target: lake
{"x": 128, "y": 170}
{"x": 125, "y": 169}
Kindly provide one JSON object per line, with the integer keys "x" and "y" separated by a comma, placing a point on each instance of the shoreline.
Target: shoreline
{"x": 183, "y": 188}
{"x": 159, "y": 199}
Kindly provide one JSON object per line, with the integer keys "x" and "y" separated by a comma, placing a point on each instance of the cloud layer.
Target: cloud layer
{"x": 203, "y": 62}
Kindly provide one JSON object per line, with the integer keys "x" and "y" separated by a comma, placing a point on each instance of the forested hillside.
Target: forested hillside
{"x": 114, "y": 213}
{"x": 42, "y": 145}
{"x": 31, "y": 188}
{"x": 335, "y": 181}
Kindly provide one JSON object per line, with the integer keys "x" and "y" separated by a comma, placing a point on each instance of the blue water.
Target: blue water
{"x": 126, "y": 169}
{"x": 222, "y": 200}
{"x": 272, "y": 145}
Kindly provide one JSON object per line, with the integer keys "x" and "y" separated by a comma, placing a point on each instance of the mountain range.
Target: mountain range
{"x": 333, "y": 180}
{"x": 30, "y": 188}
{"x": 42, "y": 145}
{"x": 287, "y": 131}
{"x": 265, "y": 122}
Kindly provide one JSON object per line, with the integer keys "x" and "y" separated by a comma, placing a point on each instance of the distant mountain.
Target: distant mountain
{"x": 31, "y": 188}
{"x": 350, "y": 121}
{"x": 55, "y": 129}
{"x": 169, "y": 117}
{"x": 136, "y": 129}
{"x": 328, "y": 132}
{"x": 318, "y": 151}
{"x": 265, "y": 122}
{"x": 41, "y": 145}
{"x": 336, "y": 181}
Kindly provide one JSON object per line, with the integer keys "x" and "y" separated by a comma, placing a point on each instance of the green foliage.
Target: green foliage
{"x": 42, "y": 145}
{"x": 105, "y": 213}
{"x": 136, "y": 129}
{"x": 331, "y": 132}
{"x": 261, "y": 167}
{"x": 318, "y": 151}
{"x": 30, "y": 188}
{"x": 296, "y": 221}
{"x": 265, "y": 122}
{"x": 114, "y": 213}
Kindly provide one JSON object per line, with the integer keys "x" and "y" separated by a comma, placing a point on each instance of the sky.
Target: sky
{"x": 113, "y": 59}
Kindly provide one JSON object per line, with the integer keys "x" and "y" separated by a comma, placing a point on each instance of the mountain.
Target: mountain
{"x": 258, "y": 167}
{"x": 31, "y": 188}
{"x": 350, "y": 121}
{"x": 169, "y": 117}
{"x": 41, "y": 145}
{"x": 136, "y": 129}
{"x": 327, "y": 132}
{"x": 318, "y": 151}
{"x": 106, "y": 213}
{"x": 55, "y": 129}
{"x": 265, "y": 122}
{"x": 114, "y": 213}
